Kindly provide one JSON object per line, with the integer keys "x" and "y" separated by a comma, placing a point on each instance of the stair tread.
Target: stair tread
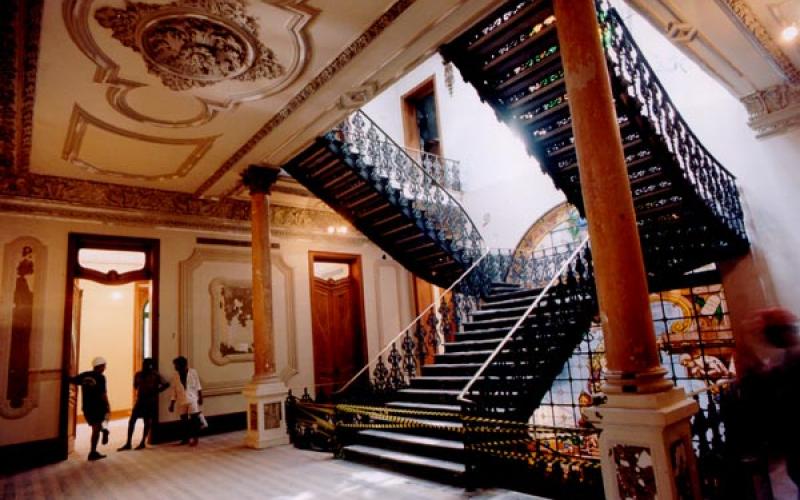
{"x": 450, "y": 392}
{"x": 407, "y": 458}
{"x": 428, "y": 422}
{"x": 474, "y": 342}
{"x": 415, "y": 439}
{"x": 424, "y": 406}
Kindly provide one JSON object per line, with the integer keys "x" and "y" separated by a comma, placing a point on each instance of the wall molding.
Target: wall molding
{"x": 773, "y": 110}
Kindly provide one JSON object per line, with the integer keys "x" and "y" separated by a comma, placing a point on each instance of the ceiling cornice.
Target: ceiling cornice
{"x": 323, "y": 77}
{"x": 741, "y": 12}
{"x": 20, "y": 27}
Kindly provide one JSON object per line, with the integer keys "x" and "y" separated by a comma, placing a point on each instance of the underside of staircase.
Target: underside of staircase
{"x": 686, "y": 203}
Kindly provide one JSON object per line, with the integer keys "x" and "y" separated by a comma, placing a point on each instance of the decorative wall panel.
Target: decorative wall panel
{"x": 21, "y": 316}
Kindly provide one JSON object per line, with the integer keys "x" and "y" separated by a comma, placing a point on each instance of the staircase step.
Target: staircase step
{"x": 440, "y": 470}
{"x": 409, "y": 442}
{"x": 531, "y": 293}
{"x": 426, "y": 407}
{"x": 472, "y": 345}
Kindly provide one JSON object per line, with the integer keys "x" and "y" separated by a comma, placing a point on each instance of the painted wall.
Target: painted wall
{"x": 386, "y": 291}
{"x": 766, "y": 168}
{"x": 495, "y": 167}
{"x": 107, "y": 331}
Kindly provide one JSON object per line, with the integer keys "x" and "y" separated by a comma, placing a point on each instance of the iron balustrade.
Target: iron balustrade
{"x": 445, "y": 171}
{"x": 392, "y": 171}
{"x": 714, "y": 184}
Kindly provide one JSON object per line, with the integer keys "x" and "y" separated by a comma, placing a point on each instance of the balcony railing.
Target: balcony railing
{"x": 445, "y": 171}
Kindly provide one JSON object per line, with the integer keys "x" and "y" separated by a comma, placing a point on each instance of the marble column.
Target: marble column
{"x": 265, "y": 394}
{"x": 645, "y": 441}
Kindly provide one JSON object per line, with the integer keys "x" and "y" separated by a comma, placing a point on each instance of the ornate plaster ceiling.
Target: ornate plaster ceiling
{"x": 739, "y": 43}
{"x": 181, "y": 95}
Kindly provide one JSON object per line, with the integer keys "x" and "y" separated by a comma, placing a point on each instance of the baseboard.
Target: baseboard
{"x": 22, "y": 456}
{"x": 165, "y": 432}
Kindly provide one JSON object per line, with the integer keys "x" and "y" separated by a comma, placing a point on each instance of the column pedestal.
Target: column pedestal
{"x": 646, "y": 445}
{"x": 266, "y": 415}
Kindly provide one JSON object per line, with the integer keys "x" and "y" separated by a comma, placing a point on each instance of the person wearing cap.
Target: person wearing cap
{"x": 95, "y": 402}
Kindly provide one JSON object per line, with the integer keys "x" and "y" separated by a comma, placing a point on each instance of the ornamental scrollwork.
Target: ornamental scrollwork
{"x": 193, "y": 43}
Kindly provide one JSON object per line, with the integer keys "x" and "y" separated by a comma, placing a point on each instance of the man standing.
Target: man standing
{"x": 186, "y": 390}
{"x": 148, "y": 383}
{"x": 95, "y": 402}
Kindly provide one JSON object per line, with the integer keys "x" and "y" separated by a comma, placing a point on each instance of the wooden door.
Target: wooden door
{"x": 337, "y": 335}
{"x": 72, "y": 369}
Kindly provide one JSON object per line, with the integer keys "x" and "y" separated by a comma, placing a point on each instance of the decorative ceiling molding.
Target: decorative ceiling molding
{"x": 741, "y": 12}
{"x": 773, "y": 110}
{"x": 20, "y": 28}
{"x": 99, "y": 195}
{"x": 359, "y": 96}
{"x": 81, "y": 121}
{"x": 323, "y": 77}
{"x": 152, "y": 30}
{"x": 193, "y": 43}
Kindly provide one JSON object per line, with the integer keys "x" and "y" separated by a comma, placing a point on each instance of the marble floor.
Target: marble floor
{"x": 220, "y": 467}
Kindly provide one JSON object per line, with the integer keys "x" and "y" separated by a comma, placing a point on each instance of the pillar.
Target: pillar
{"x": 645, "y": 440}
{"x": 265, "y": 394}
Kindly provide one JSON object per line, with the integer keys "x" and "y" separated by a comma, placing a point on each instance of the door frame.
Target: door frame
{"x": 77, "y": 241}
{"x": 411, "y": 137}
{"x": 357, "y": 273}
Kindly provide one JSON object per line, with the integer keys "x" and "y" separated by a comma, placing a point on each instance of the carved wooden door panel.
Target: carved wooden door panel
{"x": 337, "y": 334}
{"x": 75, "y": 339}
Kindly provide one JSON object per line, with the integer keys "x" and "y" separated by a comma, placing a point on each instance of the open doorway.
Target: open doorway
{"x": 110, "y": 312}
{"x": 337, "y": 319}
{"x": 421, "y": 120}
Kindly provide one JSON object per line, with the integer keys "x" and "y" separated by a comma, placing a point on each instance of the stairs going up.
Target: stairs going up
{"x": 421, "y": 428}
{"x": 686, "y": 203}
{"x": 372, "y": 182}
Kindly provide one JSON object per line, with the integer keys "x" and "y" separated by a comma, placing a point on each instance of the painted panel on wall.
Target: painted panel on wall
{"x": 24, "y": 274}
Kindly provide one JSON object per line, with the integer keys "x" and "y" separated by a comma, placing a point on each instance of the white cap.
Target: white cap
{"x": 99, "y": 360}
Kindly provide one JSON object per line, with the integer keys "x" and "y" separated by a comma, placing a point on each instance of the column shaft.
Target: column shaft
{"x": 630, "y": 342}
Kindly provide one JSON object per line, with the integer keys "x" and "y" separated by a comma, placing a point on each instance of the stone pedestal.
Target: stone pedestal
{"x": 266, "y": 414}
{"x": 646, "y": 446}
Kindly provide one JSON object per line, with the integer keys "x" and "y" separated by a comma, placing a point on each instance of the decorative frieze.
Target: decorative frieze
{"x": 773, "y": 110}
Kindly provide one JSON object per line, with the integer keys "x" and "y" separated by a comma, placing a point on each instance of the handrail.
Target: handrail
{"x": 419, "y": 167}
{"x": 407, "y": 328}
{"x": 519, "y": 322}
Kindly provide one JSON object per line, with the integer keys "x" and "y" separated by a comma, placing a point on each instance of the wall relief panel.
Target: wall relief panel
{"x": 21, "y": 316}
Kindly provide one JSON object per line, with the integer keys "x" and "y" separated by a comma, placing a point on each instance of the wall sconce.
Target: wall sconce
{"x": 789, "y": 33}
{"x": 341, "y": 230}
{"x": 331, "y": 229}
{"x": 116, "y": 295}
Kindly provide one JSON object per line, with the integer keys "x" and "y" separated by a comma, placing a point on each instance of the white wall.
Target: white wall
{"x": 380, "y": 295}
{"x": 766, "y": 168}
{"x": 107, "y": 331}
{"x": 505, "y": 190}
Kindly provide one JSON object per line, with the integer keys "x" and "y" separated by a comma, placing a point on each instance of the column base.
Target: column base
{"x": 266, "y": 415}
{"x": 646, "y": 445}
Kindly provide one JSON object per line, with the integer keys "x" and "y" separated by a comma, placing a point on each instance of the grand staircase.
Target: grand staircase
{"x": 425, "y": 428}
{"x": 686, "y": 203}
{"x": 360, "y": 172}
{"x": 442, "y": 417}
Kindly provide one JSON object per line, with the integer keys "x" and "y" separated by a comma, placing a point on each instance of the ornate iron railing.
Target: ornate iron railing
{"x": 566, "y": 293}
{"x": 715, "y": 185}
{"x": 446, "y": 171}
{"x": 402, "y": 358}
{"x": 385, "y": 163}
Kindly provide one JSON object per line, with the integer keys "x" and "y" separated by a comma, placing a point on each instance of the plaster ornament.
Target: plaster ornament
{"x": 193, "y": 43}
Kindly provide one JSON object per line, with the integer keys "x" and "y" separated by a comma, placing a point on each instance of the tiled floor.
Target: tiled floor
{"x": 220, "y": 467}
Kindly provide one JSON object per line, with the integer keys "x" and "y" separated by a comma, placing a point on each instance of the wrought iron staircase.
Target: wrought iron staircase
{"x": 687, "y": 205}
{"x": 360, "y": 172}
{"x": 503, "y": 358}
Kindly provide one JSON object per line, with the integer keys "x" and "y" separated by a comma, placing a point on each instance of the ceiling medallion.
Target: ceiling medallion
{"x": 193, "y": 43}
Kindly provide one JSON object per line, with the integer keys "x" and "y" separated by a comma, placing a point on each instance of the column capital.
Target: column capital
{"x": 260, "y": 178}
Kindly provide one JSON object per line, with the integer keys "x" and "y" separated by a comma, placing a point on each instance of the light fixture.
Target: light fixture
{"x": 789, "y": 33}
{"x": 341, "y": 229}
{"x": 331, "y": 229}
{"x": 116, "y": 295}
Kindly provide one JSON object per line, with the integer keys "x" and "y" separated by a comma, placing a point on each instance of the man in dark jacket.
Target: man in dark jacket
{"x": 95, "y": 402}
{"x": 148, "y": 383}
